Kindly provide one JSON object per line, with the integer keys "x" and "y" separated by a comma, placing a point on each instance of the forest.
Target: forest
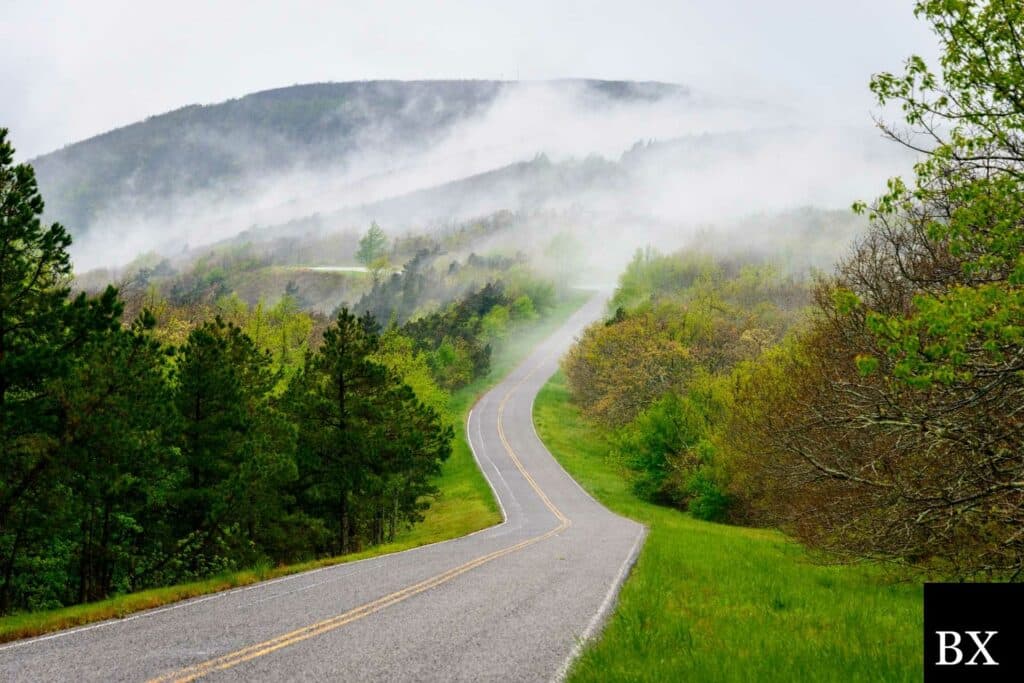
{"x": 807, "y": 412}
{"x": 171, "y": 431}
{"x": 874, "y": 412}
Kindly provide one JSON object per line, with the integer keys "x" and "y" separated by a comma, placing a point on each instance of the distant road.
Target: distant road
{"x": 510, "y": 602}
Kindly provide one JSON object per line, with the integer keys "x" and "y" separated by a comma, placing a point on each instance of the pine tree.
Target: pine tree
{"x": 332, "y": 398}
{"x": 236, "y": 446}
{"x": 117, "y": 452}
{"x": 368, "y": 446}
{"x": 40, "y": 331}
{"x": 373, "y": 246}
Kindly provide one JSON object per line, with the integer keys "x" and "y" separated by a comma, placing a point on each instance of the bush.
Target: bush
{"x": 494, "y": 325}
{"x": 523, "y": 309}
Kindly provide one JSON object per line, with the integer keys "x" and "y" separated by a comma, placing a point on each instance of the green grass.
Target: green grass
{"x": 711, "y": 602}
{"x": 465, "y": 504}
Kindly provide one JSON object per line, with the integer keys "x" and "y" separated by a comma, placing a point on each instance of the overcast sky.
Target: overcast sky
{"x": 72, "y": 69}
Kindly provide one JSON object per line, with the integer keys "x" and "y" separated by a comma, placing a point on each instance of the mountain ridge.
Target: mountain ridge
{"x": 609, "y": 85}
{"x": 307, "y": 126}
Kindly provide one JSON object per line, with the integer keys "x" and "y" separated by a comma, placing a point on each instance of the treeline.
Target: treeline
{"x": 432, "y": 277}
{"x": 409, "y": 274}
{"x": 819, "y": 406}
{"x": 888, "y": 422}
{"x": 456, "y": 339}
{"x": 659, "y": 372}
{"x": 202, "y": 437}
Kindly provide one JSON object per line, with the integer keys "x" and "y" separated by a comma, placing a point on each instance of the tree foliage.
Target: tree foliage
{"x": 893, "y": 428}
{"x": 368, "y": 447}
{"x": 186, "y": 443}
{"x": 659, "y": 371}
{"x": 42, "y": 333}
{"x": 373, "y": 246}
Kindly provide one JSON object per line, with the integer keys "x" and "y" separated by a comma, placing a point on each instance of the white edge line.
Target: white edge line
{"x": 480, "y": 466}
{"x": 513, "y": 501}
{"x": 609, "y": 599}
{"x": 597, "y": 621}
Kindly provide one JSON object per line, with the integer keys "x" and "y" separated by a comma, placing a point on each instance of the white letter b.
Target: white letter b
{"x": 944, "y": 647}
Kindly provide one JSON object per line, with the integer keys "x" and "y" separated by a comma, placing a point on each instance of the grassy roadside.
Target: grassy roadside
{"x": 464, "y": 505}
{"x": 710, "y": 602}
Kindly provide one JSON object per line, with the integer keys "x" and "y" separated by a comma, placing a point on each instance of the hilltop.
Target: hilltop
{"x": 220, "y": 148}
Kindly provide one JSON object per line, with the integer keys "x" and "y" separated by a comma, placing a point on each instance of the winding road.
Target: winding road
{"x": 512, "y": 602}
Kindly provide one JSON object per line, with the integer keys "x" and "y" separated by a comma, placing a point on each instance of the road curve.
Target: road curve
{"x": 511, "y": 602}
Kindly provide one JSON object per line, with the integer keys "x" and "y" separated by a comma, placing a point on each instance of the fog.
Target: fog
{"x": 645, "y": 170}
{"x": 69, "y": 70}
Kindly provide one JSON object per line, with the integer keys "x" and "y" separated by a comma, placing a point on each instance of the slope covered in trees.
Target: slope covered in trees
{"x": 700, "y": 589}
{"x": 903, "y": 400}
{"x": 884, "y": 422}
{"x": 658, "y": 371}
{"x": 203, "y": 435}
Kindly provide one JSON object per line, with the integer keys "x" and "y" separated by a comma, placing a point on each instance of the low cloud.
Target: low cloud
{"x": 711, "y": 162}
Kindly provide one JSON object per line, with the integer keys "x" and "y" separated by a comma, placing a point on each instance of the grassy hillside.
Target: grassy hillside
{"x": 465, "y": 504}
{"x": 709, "y": 602}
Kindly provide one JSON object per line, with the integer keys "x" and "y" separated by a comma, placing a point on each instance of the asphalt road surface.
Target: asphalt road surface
{"x": 512, "y": 602}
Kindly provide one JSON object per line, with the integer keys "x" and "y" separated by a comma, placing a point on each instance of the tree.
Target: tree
{"x": 127, "y": 463}
{"x": 367, "y": 445}
{"x": 615, "y": 371}
{"x": 333, "y": 398}
{"x": 40, "y": 331}
{"x": 116, "y": 448}
{"x": 398, "y": 297}
{"x": 454, "y": 337}
{"x": 372, "y": 247}
{"x": 397, "y": 353}
{"x": 290, "y": 334}
{"x": 963, "y": 219}
{"x": 414, "y": 441}
{"x": 523, "y": 308}
{"x": 669, "y": 448}
{"x": 237, "y": 447}
{"x": 494, "y": 325}
{"x": 894, "y": 428}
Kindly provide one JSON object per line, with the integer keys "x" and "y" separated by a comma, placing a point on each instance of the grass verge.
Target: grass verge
{"x": 465, "y": 504}
{"x": 711, "y": 602}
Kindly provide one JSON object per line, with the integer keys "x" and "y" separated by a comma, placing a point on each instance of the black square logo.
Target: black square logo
{"x": 973, "y": 632}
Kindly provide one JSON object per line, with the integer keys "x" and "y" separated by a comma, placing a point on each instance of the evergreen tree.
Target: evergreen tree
{"x": 368, "y": 446}
{"x": 415, "y": 441}
{"x": 333, "y": 400}
{"x": 116, "y": 448}
{"x": 126, "y": 464}
{"x": 237, "y": 449}
{"x": 40, "y": 331}
{"x": 373, "y": 246}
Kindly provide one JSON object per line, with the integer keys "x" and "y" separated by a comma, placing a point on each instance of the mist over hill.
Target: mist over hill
{"x": 654, "y": 160}
{"x": 313, "y": 127}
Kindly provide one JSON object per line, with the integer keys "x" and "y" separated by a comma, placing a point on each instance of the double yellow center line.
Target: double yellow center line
{"x": 284, "y": 640}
